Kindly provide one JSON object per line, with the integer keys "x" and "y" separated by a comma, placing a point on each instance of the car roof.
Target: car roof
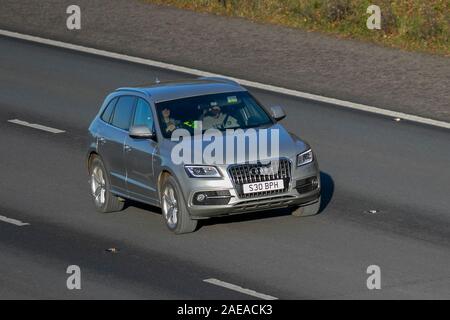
{"x": 173, "y": 90}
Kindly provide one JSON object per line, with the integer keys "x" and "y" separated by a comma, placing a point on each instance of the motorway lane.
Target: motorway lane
{"x": 52, "y": 184}
{"x": 369, "y": 162}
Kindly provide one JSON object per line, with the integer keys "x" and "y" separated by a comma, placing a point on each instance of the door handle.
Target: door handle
{"x": 127, "y": 148}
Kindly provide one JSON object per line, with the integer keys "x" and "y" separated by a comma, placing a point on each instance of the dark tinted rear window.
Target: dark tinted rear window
{"x": 122, "y": 112}
{"x": 106, "y": 115}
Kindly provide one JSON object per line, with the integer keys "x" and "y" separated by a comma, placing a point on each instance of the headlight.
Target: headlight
{"x": 305, "y": 158}
{"x": 202, "y": 171}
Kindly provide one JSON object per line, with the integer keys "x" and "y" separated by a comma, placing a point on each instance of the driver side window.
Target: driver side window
{"x": 143, "y": 115}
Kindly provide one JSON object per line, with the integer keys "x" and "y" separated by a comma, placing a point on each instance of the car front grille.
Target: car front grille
{"x": 248, "y": 173}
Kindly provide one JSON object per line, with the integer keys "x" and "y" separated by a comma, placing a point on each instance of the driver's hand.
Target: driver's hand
{"x": 170, "y": 127}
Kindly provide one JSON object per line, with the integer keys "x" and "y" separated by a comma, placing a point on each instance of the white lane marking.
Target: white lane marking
{"x": 36, "y": 126}
{"x": 253, "y": 84}
{"x": 239, "y": 289}
{"x": 13, "y": 221}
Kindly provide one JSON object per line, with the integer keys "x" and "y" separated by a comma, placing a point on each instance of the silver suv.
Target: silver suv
{"x": 131, "y": 154}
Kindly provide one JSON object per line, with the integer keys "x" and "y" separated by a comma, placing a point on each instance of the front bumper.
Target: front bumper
{"x": 295, "y": 195}
{"x": 284, "y": 200}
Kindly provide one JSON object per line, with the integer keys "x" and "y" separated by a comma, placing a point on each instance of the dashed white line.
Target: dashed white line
{"x": 36, "y": 126}
{"x": 239, "y": 289}
{"x": 253, "y": 84}
{"x": 13, "y": 221}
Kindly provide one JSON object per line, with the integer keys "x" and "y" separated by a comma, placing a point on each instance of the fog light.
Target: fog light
{"x": 208, "y": 198}
{"x": 315, "y": 182}
{"x": 201, "y": 197}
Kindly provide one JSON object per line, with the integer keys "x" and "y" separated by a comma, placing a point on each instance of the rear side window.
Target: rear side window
{"x": 143, "y": 114}
{"x": 122, "y": 112}
{"x": 106, "y": 115}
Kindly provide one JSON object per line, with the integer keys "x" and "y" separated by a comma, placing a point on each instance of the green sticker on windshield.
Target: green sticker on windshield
{"x": 189, "y": 123}
{"x": 192, "y": 124}
{"x": 232, "y": 99}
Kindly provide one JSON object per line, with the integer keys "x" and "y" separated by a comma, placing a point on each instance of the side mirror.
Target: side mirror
{"x": 141, "y": 132}
{"x": 277, "y": 113}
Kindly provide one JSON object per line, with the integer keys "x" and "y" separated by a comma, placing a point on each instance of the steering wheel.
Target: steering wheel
{"x": 224, "y": 122}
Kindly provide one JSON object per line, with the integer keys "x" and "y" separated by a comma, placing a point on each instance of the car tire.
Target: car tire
{"x": 309, "y": 210}
{"x": 174, "y": 209}
{"x": 104, "y": 200}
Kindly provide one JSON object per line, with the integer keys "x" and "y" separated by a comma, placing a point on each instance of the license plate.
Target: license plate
{"x": 263, "y": 186}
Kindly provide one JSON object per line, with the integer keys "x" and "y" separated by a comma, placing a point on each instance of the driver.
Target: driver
{"x": 215, "y": 118}
{"x": 169, "y": 124}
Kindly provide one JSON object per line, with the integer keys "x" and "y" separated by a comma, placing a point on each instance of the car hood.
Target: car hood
{"x": 289, "y": 144}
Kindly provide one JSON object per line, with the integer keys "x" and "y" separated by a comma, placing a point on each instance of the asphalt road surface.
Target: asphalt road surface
{"x": 369, "y": 162}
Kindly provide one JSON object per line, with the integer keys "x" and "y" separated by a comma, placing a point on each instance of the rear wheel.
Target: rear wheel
{"x": 104, "y": 200}
{"x": 309, "y": 210}
{"x": 174, "y": 209}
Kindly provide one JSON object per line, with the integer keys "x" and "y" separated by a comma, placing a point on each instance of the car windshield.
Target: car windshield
{"x": 237, "y": 110}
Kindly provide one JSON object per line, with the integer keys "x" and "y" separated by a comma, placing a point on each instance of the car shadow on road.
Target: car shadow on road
{"x": 140, "y": 205}
{"x": 327, "y": 194}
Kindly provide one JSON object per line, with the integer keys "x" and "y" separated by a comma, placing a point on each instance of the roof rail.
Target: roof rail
{"x": 140, "y": 90}
{"x": 220, "y": 79}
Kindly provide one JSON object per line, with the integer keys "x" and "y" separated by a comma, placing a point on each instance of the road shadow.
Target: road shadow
{"x": 327, "y": 193}
{"x": 139, "y": 205}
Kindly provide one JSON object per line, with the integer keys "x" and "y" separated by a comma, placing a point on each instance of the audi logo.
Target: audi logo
{"x": 269, "y": 170}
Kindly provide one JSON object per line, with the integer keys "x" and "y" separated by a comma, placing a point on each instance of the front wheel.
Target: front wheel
{"x": 309, "y": 210}
{"x": 104, "y": 200}
{"x": 174, "y": 209}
